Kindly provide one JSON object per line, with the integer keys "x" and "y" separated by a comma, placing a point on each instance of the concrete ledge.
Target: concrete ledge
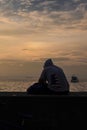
{"x": 43, "y": 111}
{"x": 75, "y": 94}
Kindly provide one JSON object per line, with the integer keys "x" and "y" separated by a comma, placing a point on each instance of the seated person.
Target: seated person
{"x": 51, "y": 81}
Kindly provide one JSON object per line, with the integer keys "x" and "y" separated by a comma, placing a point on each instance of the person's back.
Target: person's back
{"x": 55, "y": 77}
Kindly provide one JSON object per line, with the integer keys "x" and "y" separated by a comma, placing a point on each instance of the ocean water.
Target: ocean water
{"x": 14, "y": 86}
{"x": 78, "y": 87}
{"x": 22, "y": 85}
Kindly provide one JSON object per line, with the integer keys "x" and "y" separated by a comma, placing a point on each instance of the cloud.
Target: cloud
{"x": 57, "y": 59}
{"x": 32, "y": 31}
{"x": 26, "y": 13}
{"x": 60, "y": 59}
{"x": 48, "y": 22}
{"x": 47, "y": 3}
{"x": 24, "y": 49}
{"x": 76, "y": 0}
{"x": 82, "y": 60}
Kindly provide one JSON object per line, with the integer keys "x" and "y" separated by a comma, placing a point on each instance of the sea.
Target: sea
{"x": 21, "y": 85}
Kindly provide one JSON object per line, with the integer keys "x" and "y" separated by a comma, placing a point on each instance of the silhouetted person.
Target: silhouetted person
{"x": 51, "y": 81}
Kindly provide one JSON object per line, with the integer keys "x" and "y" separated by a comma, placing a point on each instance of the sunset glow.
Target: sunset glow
{"x": 34, "y": 30}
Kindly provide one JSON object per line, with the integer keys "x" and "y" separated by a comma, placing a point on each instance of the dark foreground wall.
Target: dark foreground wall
{"x": 22, "y": 111}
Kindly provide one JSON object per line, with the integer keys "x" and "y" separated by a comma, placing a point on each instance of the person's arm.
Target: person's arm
{"x": 67, "y": 84}
{"x": 42, "y": 78}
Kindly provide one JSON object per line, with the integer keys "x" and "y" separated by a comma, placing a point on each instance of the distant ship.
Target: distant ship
{"x": 74, "y": 79}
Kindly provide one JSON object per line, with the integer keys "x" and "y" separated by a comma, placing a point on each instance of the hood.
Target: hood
{"x": 48, "y": 63}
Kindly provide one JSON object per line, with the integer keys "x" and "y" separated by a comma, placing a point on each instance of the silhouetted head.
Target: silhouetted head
{"x": 47, "y": 63}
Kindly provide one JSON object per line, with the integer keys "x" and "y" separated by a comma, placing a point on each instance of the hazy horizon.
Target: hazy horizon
{"x": 28, "y": 70}
{"x": 32, "y": 31}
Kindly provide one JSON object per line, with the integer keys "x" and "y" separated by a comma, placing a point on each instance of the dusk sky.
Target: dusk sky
{"x": 33, "y": 30}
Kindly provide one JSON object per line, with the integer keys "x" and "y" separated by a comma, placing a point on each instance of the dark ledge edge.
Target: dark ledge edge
{"x": 70, "y": 94}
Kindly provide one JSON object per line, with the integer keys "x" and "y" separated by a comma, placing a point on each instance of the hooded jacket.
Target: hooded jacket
{"x": 54, "y": 76}
{"x": 48, "y": 63}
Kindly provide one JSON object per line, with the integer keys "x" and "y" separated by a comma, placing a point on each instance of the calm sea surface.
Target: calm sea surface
{"x": 22, "y": 85}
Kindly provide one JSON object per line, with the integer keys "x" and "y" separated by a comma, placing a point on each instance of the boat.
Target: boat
{"x": 74, "y": 79}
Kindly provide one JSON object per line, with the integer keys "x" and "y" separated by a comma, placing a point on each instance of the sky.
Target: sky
{"x": 32, "y": 31}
